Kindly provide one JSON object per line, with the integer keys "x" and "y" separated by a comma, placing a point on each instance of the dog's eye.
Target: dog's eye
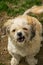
{"x": 13, "y": 30}
{"x": 25, "y": 28}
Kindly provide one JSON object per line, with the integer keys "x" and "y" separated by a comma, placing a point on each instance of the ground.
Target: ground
{"x": 10, "y": 9}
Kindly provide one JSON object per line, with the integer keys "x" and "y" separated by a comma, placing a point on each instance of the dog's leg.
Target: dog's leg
{"x": 15, "y": 60}
{"x": 31, "y": 60}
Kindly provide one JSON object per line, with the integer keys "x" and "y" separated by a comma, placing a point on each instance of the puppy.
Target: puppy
{"x": 24, "y": 38}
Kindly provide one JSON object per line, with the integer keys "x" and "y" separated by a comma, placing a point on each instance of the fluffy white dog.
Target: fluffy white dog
{"x": 24, "y": 38}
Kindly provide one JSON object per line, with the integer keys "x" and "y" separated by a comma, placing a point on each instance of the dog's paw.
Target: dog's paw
{"x": 31, "y": 61}
{"x": 14, "y": 61}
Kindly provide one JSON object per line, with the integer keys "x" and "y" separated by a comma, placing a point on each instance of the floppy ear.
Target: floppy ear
{"x": 6, "y": 27}
{"x": 36, "y": 27}
{"x": 33, "y": 32}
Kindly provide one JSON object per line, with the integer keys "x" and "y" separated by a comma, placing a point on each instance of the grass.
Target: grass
{"x": 14, "y": 7}
{"x": 17, "y": 7}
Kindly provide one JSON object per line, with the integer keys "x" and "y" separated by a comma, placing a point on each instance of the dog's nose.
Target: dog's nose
{"x": 20, "y": 37}
{"x": 19, "y": 34}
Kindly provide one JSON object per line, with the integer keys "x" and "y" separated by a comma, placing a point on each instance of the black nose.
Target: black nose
{"x": 19, "y": 34}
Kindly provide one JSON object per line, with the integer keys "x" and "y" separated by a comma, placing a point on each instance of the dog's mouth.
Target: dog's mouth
{"x": 21, "y": 39}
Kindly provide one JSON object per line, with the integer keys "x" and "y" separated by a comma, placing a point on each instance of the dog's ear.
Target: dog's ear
{"x": 6, "y": 27}
{"x": 33, "y": 32}
{"x": 36, "y": 27}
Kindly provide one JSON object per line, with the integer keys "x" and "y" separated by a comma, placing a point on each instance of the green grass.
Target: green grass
{"x": 17, "y": 7}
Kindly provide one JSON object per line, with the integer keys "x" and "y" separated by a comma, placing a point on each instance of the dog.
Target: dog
{"x": 24, "y": 38}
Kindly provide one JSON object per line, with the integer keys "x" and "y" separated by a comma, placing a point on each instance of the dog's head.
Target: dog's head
{"x": 21, "y": 29}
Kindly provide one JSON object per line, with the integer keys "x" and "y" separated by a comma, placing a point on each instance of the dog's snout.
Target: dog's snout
{"x": 19, "y": 34}
{"x": 21, "y": 37}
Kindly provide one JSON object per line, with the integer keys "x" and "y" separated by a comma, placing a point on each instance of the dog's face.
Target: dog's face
{"x": 20, "y": 31}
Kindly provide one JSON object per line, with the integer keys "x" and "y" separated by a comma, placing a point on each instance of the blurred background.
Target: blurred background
{"x": 11, "y": 9}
